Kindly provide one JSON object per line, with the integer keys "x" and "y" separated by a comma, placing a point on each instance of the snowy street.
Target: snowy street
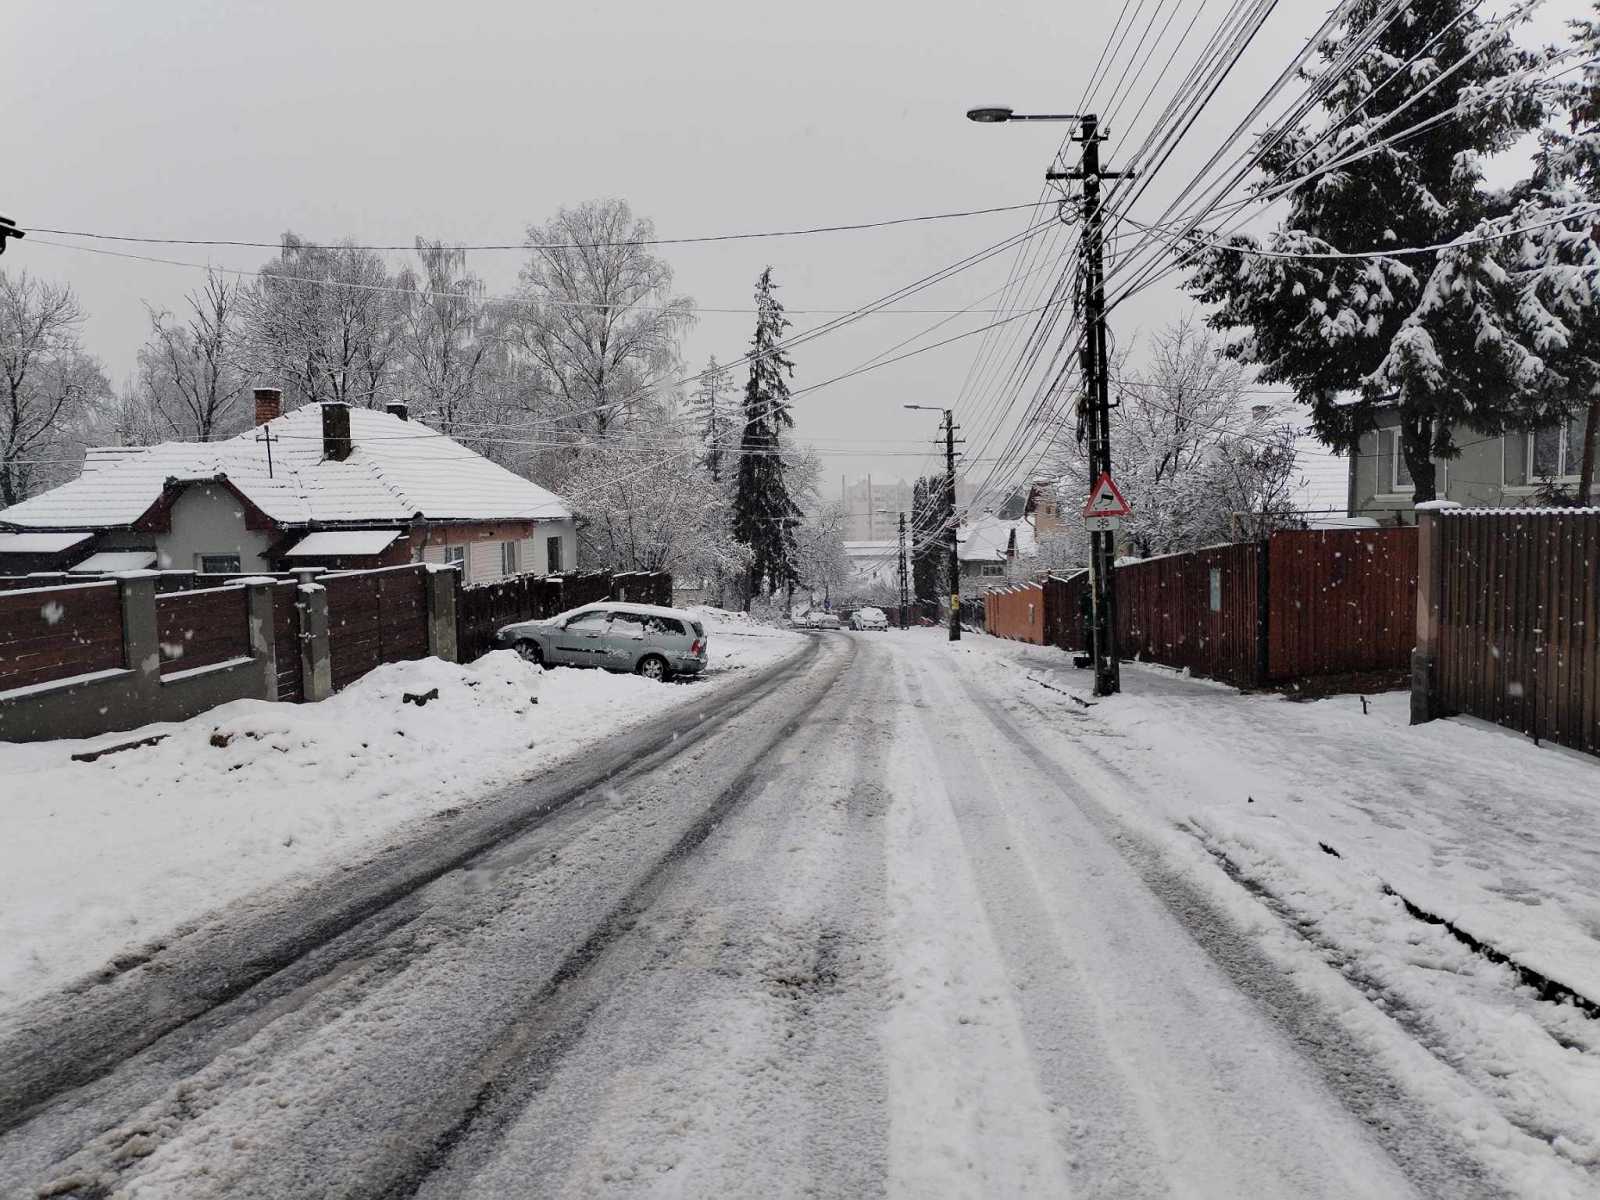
{"x": 888, "y": 916}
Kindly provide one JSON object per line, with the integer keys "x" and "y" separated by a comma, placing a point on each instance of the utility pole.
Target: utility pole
{"x": 950, "y": 428}
{"x": 904, "y": 594}
{"x": 1097, "y": 384}
{"x": 950, "y": 507}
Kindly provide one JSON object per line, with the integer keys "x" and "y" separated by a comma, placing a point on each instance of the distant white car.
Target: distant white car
{"x": 869, "y": 618}
{"x": 817, "y": 619}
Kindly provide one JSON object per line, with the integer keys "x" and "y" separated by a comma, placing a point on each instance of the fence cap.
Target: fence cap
{"x": 1437, "y": 506}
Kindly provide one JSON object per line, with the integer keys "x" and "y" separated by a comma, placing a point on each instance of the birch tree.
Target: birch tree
{"x": 449, "y": 339}
{"x": 597, "y": 316}
{"x": 322, "y": 322}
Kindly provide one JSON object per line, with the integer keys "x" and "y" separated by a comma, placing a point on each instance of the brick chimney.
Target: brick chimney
{"x": 335, "y": 430}
{"x": 269, "y": 405}
{"x": 398, "y": 409}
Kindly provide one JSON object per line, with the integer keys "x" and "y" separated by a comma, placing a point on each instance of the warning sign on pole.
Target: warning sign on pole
{"x": 1105, "y": 500}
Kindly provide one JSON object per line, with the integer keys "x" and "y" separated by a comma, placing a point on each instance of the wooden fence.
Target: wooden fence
{"x": 202, "y": 628}
{"x": 1304, "y": 605}
{"x": 1016, "y": 612}
{"x": 48, "y": 634}
{"x": 1519, "y": 621}
{"x": 375, "y": 617}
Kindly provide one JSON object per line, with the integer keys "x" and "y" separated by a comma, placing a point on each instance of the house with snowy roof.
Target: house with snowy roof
{"x": 326, "y": 485}
{"x": 991, "y": 548}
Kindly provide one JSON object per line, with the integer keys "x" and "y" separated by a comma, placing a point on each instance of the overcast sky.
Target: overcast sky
{"x": 467, "y": 121}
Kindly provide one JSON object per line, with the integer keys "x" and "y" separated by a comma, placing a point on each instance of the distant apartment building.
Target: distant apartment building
{"x": 874, "y": 506}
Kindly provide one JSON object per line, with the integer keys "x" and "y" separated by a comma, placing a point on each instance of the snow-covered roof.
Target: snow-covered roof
{"x": 987, "y": 538}
{"x": 396, "y": 470}
{"x": 39, "y": 543}
{"x": 109, "y": 562}
{"x": 336, "y": 542}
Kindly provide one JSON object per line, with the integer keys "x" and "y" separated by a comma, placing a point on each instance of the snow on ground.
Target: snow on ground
{"x": 1323, "y": 811}
{"x": 101, "y": 858}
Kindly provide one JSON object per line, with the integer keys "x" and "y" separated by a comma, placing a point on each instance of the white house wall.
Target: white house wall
{"x": 207, "y": 519}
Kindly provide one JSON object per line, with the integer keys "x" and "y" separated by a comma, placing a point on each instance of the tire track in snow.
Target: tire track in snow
{"x": 1434, "y": 1160}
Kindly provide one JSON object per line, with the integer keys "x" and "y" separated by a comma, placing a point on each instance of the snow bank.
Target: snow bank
{"x": 106, "y": 856}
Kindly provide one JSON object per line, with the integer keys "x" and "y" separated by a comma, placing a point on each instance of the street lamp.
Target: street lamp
{"x": 1107, "y": 668}
{"x": 994, "y": 114}
{"x": 950, "y": 502}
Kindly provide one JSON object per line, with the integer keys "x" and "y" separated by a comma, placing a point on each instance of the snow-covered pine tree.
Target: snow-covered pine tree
{"x": 1557, "y": 261}
{"x": 1435, "y": 334}
{"x": 764, "y": 515}
{"x": 930, "y": 518}
{"x": 714, "y": 416}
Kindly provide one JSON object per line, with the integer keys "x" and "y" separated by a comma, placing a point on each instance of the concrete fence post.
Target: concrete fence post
{"x": 141, "y": 637}
{"x": 1425, "y": 700}
{"x": 316, "y": 661}
{"x": 441, "y": 593}
{"x": 258, "y": 606}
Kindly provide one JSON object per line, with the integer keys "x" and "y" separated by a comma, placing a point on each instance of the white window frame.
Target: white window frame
{"x": 992, "y": 570}
{"x": 1564, "y": 451}
{"x": 559, "y": 566}
{"x": 508, "y": 558}
{"x": 1388, "y": 486}
{"x": 200, "y": 564}
{"x": 456, "y": 554}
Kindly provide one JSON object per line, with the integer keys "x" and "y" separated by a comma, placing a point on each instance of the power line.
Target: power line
{"x": 525, "y": 245}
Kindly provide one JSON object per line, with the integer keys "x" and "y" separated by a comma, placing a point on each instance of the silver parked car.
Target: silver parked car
{"x": 654, "y": 642}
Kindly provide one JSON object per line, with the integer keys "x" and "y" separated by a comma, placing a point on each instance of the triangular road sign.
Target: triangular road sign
{"x": 1105, "y": 500}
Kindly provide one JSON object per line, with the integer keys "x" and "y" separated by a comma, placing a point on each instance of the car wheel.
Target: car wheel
{"x": 653, "y": 666}
{"x": 531, "y": 652}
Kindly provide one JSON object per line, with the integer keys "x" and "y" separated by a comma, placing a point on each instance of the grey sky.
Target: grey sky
{"x": 468, "y": 121}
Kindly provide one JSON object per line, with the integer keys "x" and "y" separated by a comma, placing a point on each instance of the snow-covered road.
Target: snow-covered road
{"x": 892, "y": 923}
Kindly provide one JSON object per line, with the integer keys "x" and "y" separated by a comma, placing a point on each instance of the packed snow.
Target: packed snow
{"x": 101, "y": 858}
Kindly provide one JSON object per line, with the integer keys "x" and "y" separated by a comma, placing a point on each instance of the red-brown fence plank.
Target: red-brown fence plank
{"x": 55, "y": 633}
{"x": 200, "y": 629}
{"x": 1520, "y": 640}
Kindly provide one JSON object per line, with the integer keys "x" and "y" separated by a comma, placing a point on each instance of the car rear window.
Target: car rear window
{"x": 699, "y": 630}
{"x": 655, "y": 624}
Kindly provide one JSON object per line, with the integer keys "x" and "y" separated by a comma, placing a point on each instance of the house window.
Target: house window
{"x": 1553, "y": 453}
{"x": 508, "y": 558}
{"x": 993, "y": 569}
{"x": 219, "y": 564}
{"x": 1394, "y": 473}
{"x": 456, "y": 555}
{"x": 552, "y": 556}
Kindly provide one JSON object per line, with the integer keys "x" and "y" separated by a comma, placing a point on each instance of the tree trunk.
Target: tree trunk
{"x": 1416, "y": 443}
{"x": 1586, "y": 473}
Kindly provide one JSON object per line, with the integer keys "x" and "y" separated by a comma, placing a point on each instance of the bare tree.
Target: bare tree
{"x": 449, "y": 338}
{"x": 597, "y": 316}
{"x": 190, "y": 374}
{"x": 49, "y": 383}
{"x": 321, "y": 321}
{"x": 1189, "y": 452}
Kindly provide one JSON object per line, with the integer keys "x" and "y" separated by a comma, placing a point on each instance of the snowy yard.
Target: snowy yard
{"x": 101, "y": 858}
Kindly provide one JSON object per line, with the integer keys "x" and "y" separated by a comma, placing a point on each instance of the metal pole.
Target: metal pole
{"x": 950, "y": 505}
